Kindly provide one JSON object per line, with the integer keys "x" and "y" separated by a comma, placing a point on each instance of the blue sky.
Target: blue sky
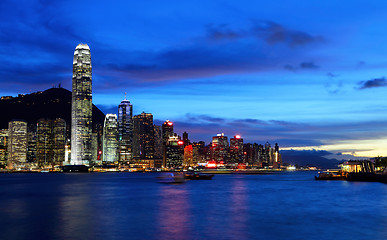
{"x": 305, "y": 74}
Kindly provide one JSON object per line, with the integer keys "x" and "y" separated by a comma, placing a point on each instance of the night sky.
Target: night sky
{"x": 306, "y": 74}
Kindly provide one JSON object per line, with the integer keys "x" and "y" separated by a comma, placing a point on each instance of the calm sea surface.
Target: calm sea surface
{"x": 135, "y": 206}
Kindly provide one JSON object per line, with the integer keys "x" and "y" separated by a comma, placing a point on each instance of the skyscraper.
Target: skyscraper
{"x": 220, "y": 148}
{"x": 174, "y": 149}
{"x": 81, "y": 107}
{"x": 50, "y": 142}
{"x": 143, "y": 136}
{"x": 125, "y": 130}
{"x": 110, "y": 141}
{"x": 236, "y": 149}
{"x": 185, "y": 139}
{"x": 3, "y": 147}
{"x": 44, "y": 153}
{"x": 158, "y": 142}
{"x": 167, "y": 129}
{"x": 59, "y": 141}
{"x": 17, "y": 144}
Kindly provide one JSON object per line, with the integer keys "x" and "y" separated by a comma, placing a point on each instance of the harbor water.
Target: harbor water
{"x": 135, "y": 206}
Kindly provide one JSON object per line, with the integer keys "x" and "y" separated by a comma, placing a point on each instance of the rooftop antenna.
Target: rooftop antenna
{"x": 125, "y": 95}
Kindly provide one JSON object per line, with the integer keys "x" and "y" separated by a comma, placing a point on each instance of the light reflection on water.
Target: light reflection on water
{"x": 135, "y": 206}
{"x": 174, "y": 213}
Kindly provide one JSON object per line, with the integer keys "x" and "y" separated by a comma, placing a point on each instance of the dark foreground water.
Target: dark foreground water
{"x": 135, "y": 206}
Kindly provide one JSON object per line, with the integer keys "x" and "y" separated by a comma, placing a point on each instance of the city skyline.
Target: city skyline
{"x": 267, "y": 71}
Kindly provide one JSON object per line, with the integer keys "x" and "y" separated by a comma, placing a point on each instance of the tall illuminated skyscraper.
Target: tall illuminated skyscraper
{"x": 110, "y": 143}
{"x": 220, "y": 147}
{"x": 125, "y": 129}
{"x": 81, "y": 107}
{"x": 167, "y": 129}
{"x": 17, "y": 144}
{"x": 236, "y": 150}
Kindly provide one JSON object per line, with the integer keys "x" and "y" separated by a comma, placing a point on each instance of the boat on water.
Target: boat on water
{"x": 171, "y": 178}
{"x": 198, "y": 176}
{"x": 331, "y": 175}
{"x": 75, "y": 168}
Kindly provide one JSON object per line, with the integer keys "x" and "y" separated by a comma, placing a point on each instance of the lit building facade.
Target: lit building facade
{"x": 59, "y": 141}
{"x": 277, "y": 159}
{"x": 174, "y": 152}
{"x": 3, "y": 147}
{"x": 186, "y": 139}
{"x": 50, "y": 142}
{"x": 167, "y": 129}
{"x": 17, "y": 144}
{"x": 44, "y": 153}
{"x": 31, "y": 143}
{"x": 110, "y": 141}
{"x": 158, "y": 136}
{"x": 188, "y": 156}
{"x": 81, "y": 107}
{"x": 97, "y": 138}
{"x": 125, "y": 130}
{"x": 236, "y": 150}
{"x": 220, "y": 148}
{"x": 143, "y": 136}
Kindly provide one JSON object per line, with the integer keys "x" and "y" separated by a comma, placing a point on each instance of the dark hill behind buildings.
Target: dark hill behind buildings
{"x": 52, "y": 103}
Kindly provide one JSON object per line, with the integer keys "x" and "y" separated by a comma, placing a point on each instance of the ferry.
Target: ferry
{"x": 331, "y": 175}
{"x": 198, "y": 176}
{"x": 171, "y": 178}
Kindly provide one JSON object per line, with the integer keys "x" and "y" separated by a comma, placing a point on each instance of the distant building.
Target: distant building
{"x": 97, "y": 138}
{"x": 277, "y": 159}
{"x": 31, "y": 143}
{"x": 59, "y": 141}
{"x": 143, "y": 136}
{"x": 236, "y": 150}
{"x": 110, "y": 141}
{"x": 174, "y": 152}
{"x": 44, "y": 143}
{"x": 125, "y": 130}
{"x": 94, "y": 148}
{"x": 81, "y": 107}
{"x": 185, "y": 139}
{"x": 158, "y": 136}
{"x": 17, "y": 144}
{"x": 3, "y": 147}
{"x": 50, "y": 142}
{"x": 167, "y": 129}
{"x": 220, "y": 148}
{"x": 188, "y": 156}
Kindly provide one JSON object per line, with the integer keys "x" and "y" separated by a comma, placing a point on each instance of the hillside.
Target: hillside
{"x": 52, "y": 103}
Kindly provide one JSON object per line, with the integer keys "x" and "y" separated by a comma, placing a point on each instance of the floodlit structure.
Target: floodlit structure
{"x": 81, "y": 107}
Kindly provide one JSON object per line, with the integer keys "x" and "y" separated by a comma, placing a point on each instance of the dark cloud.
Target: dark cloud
{"x": 360, "y": 64}
{"x": 308, "y": 65}
{"x": 222, "y": 32}
{"x": 270, "y": 32}
{"x": 287, "y": 134}
{"x": 332, "y": 75}
{"x": 290, "y": 67}
{"x": 301, "y": 66}
{"x": 274, "y": 33}
{"x": 39, "y": 36}
{"x": 373, "y": 83}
